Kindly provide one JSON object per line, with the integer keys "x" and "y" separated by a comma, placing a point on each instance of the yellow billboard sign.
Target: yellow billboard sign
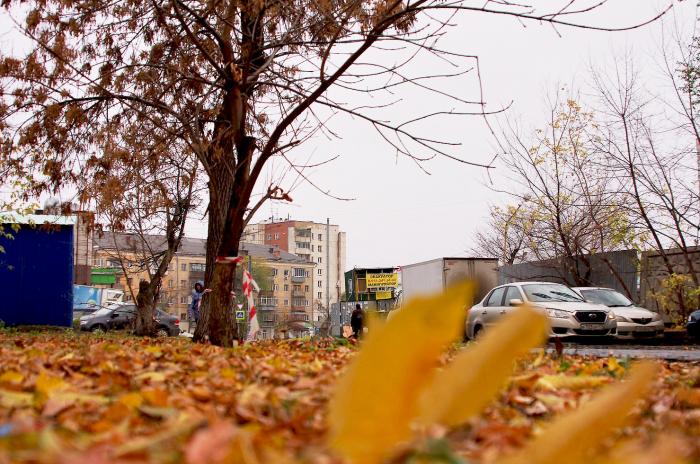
{"x": 382, "y": 280}
{"x": 383, "y": 295}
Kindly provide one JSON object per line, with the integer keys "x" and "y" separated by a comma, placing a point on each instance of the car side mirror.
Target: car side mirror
{"x": 515, "y": 302}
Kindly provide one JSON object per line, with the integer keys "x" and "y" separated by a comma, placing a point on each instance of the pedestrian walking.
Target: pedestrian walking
{"x": 193, "y": 310}
{"x": 357, "y": 321}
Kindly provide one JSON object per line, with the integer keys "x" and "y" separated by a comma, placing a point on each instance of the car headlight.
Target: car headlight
{"x": 622, "y": 318}
{"x": 83, "y": 322}
{"x": 551, "y": 312}
{"x": 611, "y": 315}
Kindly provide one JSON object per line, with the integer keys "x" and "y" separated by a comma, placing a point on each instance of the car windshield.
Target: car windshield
{"x": 102, "y": 312}
{"x": 539, "y": 293}
{"x": 606, "y": 297}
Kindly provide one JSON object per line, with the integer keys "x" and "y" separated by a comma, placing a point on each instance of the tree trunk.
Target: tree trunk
{"x": 145, "y": 302}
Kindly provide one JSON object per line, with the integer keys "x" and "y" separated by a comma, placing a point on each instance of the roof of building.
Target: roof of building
{"x": 190, "y": 247}
{"x": 10, "y": 217}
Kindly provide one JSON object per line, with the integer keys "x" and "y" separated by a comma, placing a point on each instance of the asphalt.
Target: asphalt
{"x": 668, "y": 348}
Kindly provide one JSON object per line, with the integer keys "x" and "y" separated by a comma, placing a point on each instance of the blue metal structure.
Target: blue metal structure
{"x": 36, "y": 272}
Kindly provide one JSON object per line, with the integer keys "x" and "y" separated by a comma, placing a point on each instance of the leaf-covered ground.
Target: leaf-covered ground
{"x": 85, "y": 398}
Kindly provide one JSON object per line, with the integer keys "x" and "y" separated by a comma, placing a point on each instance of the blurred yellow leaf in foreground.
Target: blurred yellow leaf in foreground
{"x": 476, "y": 375}
{"x": 377, "y": 398}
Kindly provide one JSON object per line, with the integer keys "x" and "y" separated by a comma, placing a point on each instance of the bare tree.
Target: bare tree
{"x": 652, "y": 171}
{"x": 568, "y": 210}
{"x": 148, "y": 205}
{"x": 237, "y": 83}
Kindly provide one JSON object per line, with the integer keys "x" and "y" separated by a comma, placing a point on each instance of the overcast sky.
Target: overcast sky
{"x": 401, "y": 215}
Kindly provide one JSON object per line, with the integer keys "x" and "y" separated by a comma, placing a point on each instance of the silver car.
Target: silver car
{"x": 569, "y": 314}
{"x": 632, "y": 321}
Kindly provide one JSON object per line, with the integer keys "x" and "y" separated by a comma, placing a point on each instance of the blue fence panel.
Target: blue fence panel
{"x": 36, "y": 276}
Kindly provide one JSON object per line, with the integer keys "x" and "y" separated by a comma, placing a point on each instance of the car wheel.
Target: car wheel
{"x": 477, "y": 331}
{"x": 96, "y": 327}
{"x": 162, "y": 332}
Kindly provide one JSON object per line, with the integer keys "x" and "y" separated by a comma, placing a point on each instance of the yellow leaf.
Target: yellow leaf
{"x": 228, "y": 373}
{"x": 131, "y": 400}
{"x": 376, "y": 399}
{"x": 11, "y": 399}
{"x": 151, "y": 376}
{"x": 580, "y": 382}
{"x": 11, "y": 377}
{"x": 47, "y": 383}
{"x": 471, "y": 381}
{"x": 569, "y": 437}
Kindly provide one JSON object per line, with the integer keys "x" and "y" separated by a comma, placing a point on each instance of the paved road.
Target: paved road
{"x": 669, "y": 348}
{"x": 670, "y": 353}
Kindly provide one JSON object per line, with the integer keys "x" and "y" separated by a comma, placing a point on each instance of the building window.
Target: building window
{"x": 307, "y": 273}
{"x": 276, "y": 287}
{"x": 171, "y": 284}
{"x": 183, "y": 283}
{"x": 277, "y": 236}
{"x": 306, "y": 303}
{"x": 286, "y": 302}
{"x": 274, "y": 272}
{"x": 183, "y": 300}
{"x": 286, "y": 272}
{"x": 320, "y": 284}
{"x": 312, "y": 248}
{"x": 299, "y": 302}
{"x": 170, "y": 266}
{"x": 297, "y": 288}
{"x": 299, "y": 272}
{"x": 127, "y": 297}
{"x": 286, "y": 287}
{"x": 197, "y": 267}
{"x": 320, "y": 295}
{"x": 319, "y": 249}
{"x": 320, "y": 236}
{"x": 183, "y": 316}
{"x": 306, "y": 288}
{"x": 183, "y": 266}
{"x": 319, "y": 271}
{"x": 267, "y": 301}
{"x": 303, "y": 245}
{"x": 319, "y": 319}
{"x": 269, "y": 236}
{"x": 319, "y": 259}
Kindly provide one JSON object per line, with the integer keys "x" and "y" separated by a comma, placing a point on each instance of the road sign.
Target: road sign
{"x": 240, "y": 315}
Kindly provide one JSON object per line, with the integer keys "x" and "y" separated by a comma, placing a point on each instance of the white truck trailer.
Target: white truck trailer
{"x": 438, "y": 274}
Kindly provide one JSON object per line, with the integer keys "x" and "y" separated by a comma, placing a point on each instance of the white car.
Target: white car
{"x": 632, "y": 321}
{"x": 569, "y": 314}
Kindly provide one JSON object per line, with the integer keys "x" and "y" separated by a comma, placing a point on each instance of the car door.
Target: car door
{"x": 512, "y": 293}
{"x": 493, "y": 306}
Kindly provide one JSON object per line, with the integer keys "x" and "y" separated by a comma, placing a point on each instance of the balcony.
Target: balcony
{"x": 302, "y": 234}
{"x": 298, "y": 316}
{"x": 298, "y": 293}
{"x": 298, "y": 279}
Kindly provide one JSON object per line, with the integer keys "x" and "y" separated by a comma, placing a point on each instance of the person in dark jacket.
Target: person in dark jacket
{"x": 357, "y": 321}
{"x": 193, "y": 312}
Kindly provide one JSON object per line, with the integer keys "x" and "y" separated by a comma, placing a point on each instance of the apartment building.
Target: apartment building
{"x": 320, "y": 243}
{"x": 285, "y": 301}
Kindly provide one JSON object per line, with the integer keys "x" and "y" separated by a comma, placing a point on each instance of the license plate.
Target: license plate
{"x": 645, "y": 329}
{"x": 591, "y": 326}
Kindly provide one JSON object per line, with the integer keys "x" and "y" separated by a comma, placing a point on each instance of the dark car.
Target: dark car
{"x": 693, "y": 325}
{"x": 123, "y": 317}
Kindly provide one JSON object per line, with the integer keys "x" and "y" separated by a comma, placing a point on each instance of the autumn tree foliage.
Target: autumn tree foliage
{"x": 235, "y": 83}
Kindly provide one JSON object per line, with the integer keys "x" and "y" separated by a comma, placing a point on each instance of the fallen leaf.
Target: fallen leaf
{"x": 377, "y": 398}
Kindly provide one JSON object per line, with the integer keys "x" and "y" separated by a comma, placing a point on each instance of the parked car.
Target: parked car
{"x": 123, "y": 316}
{"x": 569, "y": 314}
{"x": 632, "y": 321}
{"x": 693, "y": 325}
